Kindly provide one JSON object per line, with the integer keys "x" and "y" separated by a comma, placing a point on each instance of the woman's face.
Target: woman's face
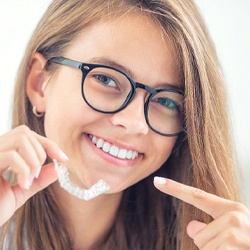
{"x": 135, "y": 43}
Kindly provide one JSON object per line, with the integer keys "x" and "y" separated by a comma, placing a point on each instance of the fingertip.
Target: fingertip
{"x": 59, "y": 155}
{"x": 194, "y": 227}
{"x": 160, "y": 180}
{"x": 24, "y": 181}
{"x": 63, "y": 156}
{"x": 48, "y": 174}
{"x": 27, "y": 184}
{"x": 52, "y": 149}
{"x": 37, "y": 173}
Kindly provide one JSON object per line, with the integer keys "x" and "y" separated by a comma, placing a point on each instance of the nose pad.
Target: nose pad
{"x": 132, "y": 118}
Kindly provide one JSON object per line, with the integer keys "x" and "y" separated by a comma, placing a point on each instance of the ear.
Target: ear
{"x": 37, "y": 80}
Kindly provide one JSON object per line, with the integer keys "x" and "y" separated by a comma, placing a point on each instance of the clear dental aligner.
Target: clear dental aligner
{"x": 84, "y": 194}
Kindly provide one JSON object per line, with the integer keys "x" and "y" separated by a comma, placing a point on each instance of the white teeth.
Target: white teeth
{"x": 122, "y": 153}
{"x": 94, "y": 139}
{"x": 99, "y": 143}
{"x": 135, "y": 154}
{"x": 112, "y": 149}
{"x": 106, "y": 147}
{"x": 129, "y": 154}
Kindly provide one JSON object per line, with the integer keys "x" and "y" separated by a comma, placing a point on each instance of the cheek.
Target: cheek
{"x": 67, "y": 115}
{"x": 157, "y": 154}
{"x": 164, "y": 148}
{"x": 63, "y": 109}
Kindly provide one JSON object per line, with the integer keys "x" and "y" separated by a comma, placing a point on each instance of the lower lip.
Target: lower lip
{"x": 111, "y": 159}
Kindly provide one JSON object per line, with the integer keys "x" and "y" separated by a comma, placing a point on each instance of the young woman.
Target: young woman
{"x": 129, "y": 92}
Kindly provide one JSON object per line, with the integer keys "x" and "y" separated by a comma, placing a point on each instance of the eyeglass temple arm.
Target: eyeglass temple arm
{"x": 66, "y": 61}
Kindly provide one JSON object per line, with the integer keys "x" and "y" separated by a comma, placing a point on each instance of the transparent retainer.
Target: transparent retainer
{"x": 84, "y": 194}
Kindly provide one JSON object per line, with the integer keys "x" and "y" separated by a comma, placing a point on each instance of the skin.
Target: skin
{"x": 14, "y": 147}
{"x": 230, "y": 227}
{"x": 68, "y": 121}
{"x": 127, "y": 128}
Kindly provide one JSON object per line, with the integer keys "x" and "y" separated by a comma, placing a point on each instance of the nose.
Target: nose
{"x": 132, "y": 118}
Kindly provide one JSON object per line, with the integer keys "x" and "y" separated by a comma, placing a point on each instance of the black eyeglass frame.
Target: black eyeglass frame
{"x": 87, "y": 67}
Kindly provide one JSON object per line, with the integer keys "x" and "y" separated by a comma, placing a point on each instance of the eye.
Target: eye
{"x": 167, "y": 102}
{"x": 106, "y": 80}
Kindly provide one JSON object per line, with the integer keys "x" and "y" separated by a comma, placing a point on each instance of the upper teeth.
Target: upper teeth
{"x": 113, "y": 149}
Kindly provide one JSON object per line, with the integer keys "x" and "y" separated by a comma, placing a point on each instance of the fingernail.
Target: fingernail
{"x": 27, "y": 184}
{"x": 160, "y": 180}
{"x": 38, "y": 172}
{"x": 64, "y": 155}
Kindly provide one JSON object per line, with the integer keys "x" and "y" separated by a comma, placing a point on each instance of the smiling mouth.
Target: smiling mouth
{"x": 113, "y": 150}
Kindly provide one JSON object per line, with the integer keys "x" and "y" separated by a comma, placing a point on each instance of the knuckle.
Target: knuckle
{"x": 22, "y": 136}
{"x": 230, "y": 236}
{"x": 224, "y": 247}
{"x": 198, "y": 193}
{"x": 12, "y": 154}
{"x": 235, "y": 219}
{"x": 197, "y": 241}
{"x": 237, "y": 206}
{"x": 18, "y": 163}
{"x": 42, "y": 157}
{"x": 34, "y": 162}
{"x": 24, "y": 129}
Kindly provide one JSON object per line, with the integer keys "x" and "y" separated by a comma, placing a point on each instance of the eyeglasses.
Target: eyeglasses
{"x": 109, "y": 90}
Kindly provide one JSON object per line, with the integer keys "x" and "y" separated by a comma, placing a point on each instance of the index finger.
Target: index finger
{"x": 51, "y": 148}
{"x": 208, "y": 203}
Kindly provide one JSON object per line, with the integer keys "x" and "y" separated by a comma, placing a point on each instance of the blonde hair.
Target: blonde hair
{"x": 202, "y": 157}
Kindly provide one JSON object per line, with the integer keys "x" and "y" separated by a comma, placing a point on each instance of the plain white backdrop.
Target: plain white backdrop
{"x": 229, "y": 25}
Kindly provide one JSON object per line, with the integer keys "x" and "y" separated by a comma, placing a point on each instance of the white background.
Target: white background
{"x": 227, "y": 20}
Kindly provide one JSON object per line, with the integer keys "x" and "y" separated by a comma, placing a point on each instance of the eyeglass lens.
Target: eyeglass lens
{"x": 107, "y": 90}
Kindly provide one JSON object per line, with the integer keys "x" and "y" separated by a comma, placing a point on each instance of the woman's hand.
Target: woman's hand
{"x": 24, "y": 152}
{"x": 230, "y": 228}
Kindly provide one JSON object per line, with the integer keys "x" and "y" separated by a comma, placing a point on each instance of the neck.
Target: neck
{"x": 89, "y": 221}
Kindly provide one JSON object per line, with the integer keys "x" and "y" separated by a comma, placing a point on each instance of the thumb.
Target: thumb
{"x": 194, "y": 227}
{"x": 46, "y": 177}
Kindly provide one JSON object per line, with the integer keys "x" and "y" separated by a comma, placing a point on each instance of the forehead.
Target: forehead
{"x": 130, "y": 29}
{"x": 134, "y": 40}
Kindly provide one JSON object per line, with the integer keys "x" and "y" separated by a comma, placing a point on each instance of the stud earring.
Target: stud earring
{"x": 37, "y": 114}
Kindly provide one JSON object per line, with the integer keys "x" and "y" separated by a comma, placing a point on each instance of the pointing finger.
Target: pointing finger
{"x": 208, "y": 203}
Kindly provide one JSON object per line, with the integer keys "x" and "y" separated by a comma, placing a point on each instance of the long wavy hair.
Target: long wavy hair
{"x": 202, "y": 156}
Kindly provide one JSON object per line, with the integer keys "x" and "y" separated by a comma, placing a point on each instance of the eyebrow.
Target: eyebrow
{"x": 111, "y": 63}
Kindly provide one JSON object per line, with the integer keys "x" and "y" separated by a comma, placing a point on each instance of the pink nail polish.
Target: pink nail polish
{"x": 160, "y": 180}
